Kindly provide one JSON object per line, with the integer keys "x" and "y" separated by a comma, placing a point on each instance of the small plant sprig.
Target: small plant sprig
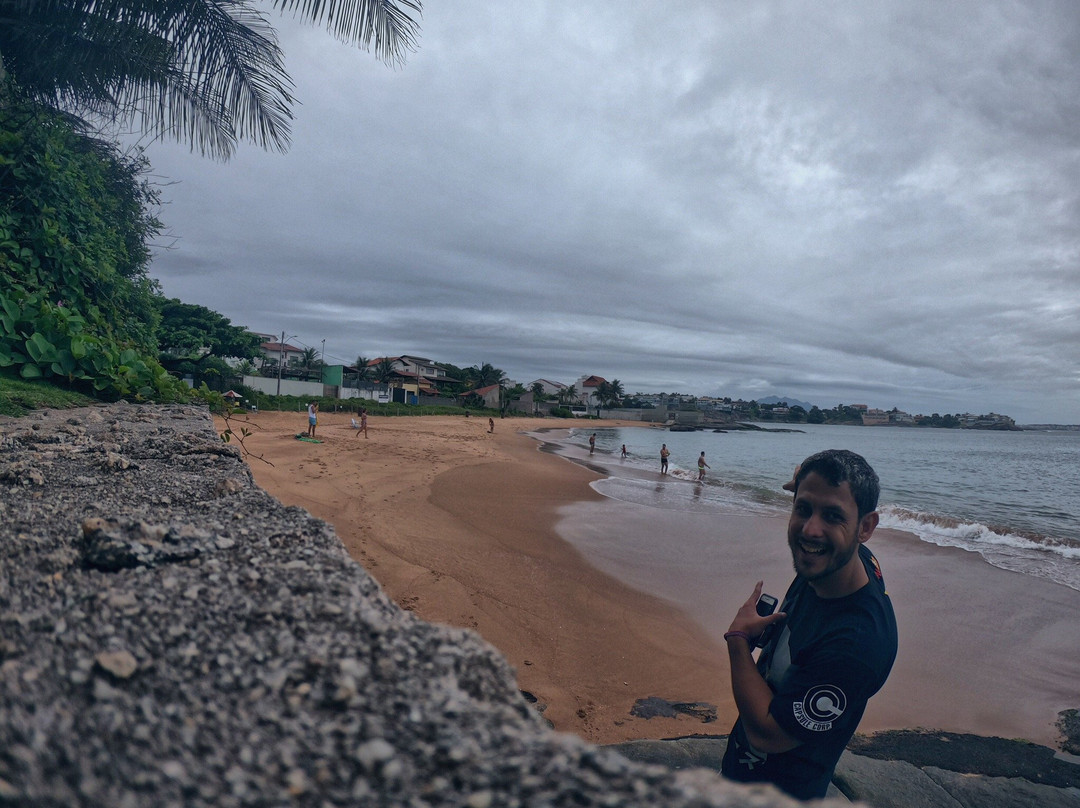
{"x": 226, "y": 410}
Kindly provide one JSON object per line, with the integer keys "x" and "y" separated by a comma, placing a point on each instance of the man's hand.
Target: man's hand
{"x": 749, "y": 621}
{"x": 752, "y": 693}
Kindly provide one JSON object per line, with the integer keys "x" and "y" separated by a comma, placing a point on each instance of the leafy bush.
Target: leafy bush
{"x": 76, "y": 304}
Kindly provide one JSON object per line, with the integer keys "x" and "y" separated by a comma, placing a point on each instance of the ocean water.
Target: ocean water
{"x": 1011, "y": 497}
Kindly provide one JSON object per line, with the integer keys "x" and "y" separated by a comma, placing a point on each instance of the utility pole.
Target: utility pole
{"x": 281, "y": 362}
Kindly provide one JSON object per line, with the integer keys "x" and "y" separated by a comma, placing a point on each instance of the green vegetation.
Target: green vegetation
{"x": 840, "y": 414}
{"x": 76, "y": 304}
{"x": 18, "y": 396}
{"x": 205, "y": 72}
{"x": 195, "y": 341}
{"x": 608, "y": 394}
{"x": 77, "y": 307}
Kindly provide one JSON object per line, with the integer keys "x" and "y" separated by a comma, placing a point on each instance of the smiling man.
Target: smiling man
{"x": 831, "y": 645}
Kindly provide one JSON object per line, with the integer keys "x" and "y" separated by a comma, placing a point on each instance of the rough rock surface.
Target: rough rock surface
{"x": 900, "y": 783}
{"x": 172, "y": 635}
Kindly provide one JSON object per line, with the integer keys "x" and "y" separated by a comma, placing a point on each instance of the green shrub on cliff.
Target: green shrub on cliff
{"x": 76, "y": 303}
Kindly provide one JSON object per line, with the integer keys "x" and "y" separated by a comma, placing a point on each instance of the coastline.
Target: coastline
{"x": 982, "y": 650}
{"x": 599, "y": 603}
{"x": 458, "y": 526}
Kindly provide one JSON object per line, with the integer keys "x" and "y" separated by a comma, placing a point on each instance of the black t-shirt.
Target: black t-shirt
{"x": 823, "y": 665}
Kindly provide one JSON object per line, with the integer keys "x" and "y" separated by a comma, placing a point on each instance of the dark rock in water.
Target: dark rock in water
{"x": 655, "y": 707}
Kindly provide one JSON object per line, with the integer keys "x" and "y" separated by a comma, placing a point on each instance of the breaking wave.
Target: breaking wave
{"x": 1054, "y": 558}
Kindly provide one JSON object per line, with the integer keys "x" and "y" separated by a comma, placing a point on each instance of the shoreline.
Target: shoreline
{"x": 983, "y": 650}
{"x": 457, "y": 526}
{"x": 478, "y": 530}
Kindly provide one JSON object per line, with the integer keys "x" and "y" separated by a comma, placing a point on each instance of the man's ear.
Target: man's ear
{"x": 867, "y": 525}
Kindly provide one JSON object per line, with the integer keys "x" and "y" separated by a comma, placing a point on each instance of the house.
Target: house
{"x": 423, "y": 368}
{"x": 874, "y": 417}
{"x": 586, "y": 386}
{"x": 414, "y": 371}
{"x": 274, "y": 352}
{"x": 550, "y": 388}
{"x": 483, "y": 396}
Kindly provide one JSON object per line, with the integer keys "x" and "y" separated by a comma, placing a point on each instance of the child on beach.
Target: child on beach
{"x": 624, "y": 451}
{"x": 312, "y": 418}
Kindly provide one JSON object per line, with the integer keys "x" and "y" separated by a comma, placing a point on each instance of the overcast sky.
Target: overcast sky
{"x": 839, "y": 202}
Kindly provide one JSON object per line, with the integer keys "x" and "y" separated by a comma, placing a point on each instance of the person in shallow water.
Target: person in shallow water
{"x": 829, "y": 648}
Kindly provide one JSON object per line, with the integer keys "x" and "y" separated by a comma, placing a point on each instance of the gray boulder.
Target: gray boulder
{"x": 889, "y": 784}
{"x": 171, "y": 635}
{"x": 980, "y": 791}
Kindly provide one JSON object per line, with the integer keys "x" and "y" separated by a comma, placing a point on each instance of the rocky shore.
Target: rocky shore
{"x": 172, "y": 635}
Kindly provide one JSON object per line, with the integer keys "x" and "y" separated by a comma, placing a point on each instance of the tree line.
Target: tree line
{"x": 78, "y": 306}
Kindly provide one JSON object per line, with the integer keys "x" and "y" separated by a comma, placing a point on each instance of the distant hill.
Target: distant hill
{"x": 791, "y": 402}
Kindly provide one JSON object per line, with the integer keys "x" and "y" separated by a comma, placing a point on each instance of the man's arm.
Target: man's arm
{"x": 752, "y": 693}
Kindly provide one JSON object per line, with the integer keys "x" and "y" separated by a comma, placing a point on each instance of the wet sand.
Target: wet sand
{"x": 457, "y": 525}
{"x": 599, "y": 603}
{"x": 982, "y": 650}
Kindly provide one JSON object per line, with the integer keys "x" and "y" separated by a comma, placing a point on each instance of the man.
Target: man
{"x": 834, "y": 642}
{"x": 592, "y": 443}
{"x": 664, "y": 455}
{"x": 701, "y": 466}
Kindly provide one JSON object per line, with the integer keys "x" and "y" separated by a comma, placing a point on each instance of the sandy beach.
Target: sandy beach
{"x": 599, "y": 603}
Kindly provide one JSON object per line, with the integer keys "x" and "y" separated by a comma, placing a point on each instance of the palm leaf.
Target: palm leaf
{"x": 386, "y": 22}
{"x": 208, "y": 72}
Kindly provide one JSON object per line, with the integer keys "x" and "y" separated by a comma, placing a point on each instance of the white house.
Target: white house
{"x": 549, "y": 387}
{"x": 274, "y": 352}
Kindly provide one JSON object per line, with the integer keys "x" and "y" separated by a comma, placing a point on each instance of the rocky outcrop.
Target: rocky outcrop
{"x": 1037, "y": 777}
{"x": 172, "y": 635}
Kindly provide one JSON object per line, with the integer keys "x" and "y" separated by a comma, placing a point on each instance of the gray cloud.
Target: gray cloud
{"x": 853, "y": 203}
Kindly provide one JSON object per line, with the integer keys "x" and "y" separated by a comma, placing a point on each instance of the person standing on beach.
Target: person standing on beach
{"x": 312, "y": 418}
{"x": 828, "y": 650}
{"x": 592, "y": 442}
{"x": 363, "y": 423}
{"x": 701, "y": 466}
{"x": 624, "y": 451}
{"x": 664, "y": 455}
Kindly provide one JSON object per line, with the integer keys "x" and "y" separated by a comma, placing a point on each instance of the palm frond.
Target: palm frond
{"x": 387, "y": 23}
{"x": 208, "y": 72}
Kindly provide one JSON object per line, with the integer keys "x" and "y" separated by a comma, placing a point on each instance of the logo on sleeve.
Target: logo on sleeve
{"x": 820, "y": 707}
